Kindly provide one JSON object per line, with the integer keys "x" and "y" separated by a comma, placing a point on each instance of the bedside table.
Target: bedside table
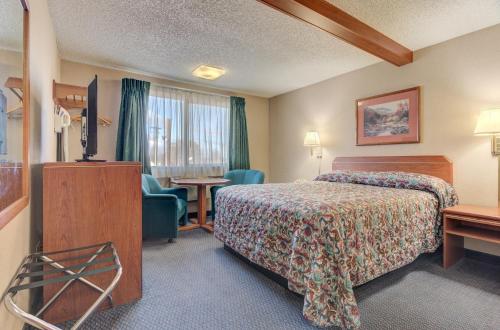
{"x": 481, "y": 223}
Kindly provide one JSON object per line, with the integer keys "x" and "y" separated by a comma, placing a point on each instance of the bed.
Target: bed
{"x": 369, "y": 216}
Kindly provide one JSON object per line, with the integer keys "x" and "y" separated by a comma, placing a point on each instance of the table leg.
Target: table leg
{"x": 202, "y": 208}
{"x": 202, "y": 205}
{"x": 453, "y": 246}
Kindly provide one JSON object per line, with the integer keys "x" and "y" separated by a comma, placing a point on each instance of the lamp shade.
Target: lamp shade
{"x": 488, "y": 122}
{"x": 312, "y": 139}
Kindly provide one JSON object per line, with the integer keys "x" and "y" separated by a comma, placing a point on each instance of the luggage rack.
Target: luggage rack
{"x": 29, "y": 276}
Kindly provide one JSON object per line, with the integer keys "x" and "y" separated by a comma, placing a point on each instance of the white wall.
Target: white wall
{"x": 16, "y": 239}
{"x": 458, "y": 78}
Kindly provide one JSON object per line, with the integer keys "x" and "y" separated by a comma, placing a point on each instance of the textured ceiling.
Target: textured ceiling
{"x": 422, "y": 23}
{"x": 264, "y": 52}
{"x": 11, "y": 25}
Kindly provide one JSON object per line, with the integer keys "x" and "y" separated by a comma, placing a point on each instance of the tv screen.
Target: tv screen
{"x": 91, "y": 148}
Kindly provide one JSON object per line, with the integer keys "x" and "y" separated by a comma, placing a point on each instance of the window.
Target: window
{"x": 188, "y": 133}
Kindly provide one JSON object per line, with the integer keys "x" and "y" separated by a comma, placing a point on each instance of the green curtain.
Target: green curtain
{"x": 238, "y": 136}
{"x": 132, "y": 140}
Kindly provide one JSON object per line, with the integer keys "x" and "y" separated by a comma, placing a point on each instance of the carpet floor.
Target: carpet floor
{"x": 195, "y": 284}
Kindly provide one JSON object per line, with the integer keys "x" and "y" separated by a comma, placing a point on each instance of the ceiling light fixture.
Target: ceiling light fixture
{"x": 208, "y": 72}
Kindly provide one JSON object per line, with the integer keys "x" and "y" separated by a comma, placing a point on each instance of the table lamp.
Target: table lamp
{"x": 489, "y": 124}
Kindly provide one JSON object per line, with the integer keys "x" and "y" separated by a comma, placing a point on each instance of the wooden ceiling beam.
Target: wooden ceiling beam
{"x": 333, "y": 20}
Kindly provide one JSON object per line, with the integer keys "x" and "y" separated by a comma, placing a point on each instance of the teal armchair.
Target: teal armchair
{"x": 162, "y": 209}
{"x": 237, "y": 177}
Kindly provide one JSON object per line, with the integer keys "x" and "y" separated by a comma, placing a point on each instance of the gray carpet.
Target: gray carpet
{"x": 195, "y": 284}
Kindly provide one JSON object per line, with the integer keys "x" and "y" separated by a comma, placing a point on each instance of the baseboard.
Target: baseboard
{"x": 481, "y": 256}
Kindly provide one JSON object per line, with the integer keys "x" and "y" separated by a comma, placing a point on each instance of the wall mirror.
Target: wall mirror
{"x": 14, "y": 108}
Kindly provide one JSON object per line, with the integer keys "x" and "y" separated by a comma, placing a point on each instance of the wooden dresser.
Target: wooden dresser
{"x": 11, "y": 179}
{"x": 86, "y": 204}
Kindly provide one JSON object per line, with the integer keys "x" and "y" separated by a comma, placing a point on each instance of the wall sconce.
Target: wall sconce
{"x": 489, "y": 124}
{"x": 312, "y": 141}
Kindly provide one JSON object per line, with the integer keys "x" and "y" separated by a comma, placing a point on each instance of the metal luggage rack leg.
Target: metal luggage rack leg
{"x": 25, "y": 278}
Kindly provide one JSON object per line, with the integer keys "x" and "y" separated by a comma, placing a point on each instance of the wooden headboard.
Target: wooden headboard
{"x": 438, "y": 166}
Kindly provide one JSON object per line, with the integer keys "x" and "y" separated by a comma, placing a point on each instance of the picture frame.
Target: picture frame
{"x": 390, "y": 118}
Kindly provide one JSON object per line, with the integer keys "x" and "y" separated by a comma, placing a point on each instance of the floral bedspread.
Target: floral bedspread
{"x": 334, "y": 233}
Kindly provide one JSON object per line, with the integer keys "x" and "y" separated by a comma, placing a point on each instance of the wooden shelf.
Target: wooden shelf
{"x": 72, "y": 97}
{"x": 13, "y": 82}
{"x": 476, "y": 233}
{"x": 69, "y": 104}
{"x": 103, "y": 121}
{"x": 468, "y": 219}
{"x": 16, "y": 86}
{"x": 481, "y": 223}
{"x": 69, "y": 96}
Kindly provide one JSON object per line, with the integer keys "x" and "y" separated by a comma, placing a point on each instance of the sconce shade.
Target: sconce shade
{"x": 312, "y": 139}
{"x": 488, "y": 122}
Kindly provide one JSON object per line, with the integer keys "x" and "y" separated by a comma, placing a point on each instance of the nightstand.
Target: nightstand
{"x": 481, "y": 223}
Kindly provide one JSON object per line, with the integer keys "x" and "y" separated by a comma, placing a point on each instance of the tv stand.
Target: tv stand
{"x": 86, "y": 204}
{"x": 86, "y": 158}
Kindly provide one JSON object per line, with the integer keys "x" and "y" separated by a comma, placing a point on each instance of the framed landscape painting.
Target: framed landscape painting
{"x": 390, "y": 118}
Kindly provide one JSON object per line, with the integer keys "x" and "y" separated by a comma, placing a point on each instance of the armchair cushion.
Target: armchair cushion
{"x": 181, "y": 193}
{"x": 181, "y": 208}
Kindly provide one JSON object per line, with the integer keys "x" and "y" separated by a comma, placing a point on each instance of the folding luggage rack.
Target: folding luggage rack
{"x": 41, "y": 269}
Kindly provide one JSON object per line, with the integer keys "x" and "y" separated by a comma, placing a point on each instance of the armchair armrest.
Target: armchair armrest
{"x": 165, "y": 197}
{"x": 160, "y": 215}
{"x": 163, "y": 203}
{"x": 181, "y": 193}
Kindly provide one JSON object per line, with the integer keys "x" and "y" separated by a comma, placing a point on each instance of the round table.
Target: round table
{"x": 202, "y": 199}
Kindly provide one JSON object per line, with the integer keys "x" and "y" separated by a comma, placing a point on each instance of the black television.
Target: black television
{"x": 89, "y": 124}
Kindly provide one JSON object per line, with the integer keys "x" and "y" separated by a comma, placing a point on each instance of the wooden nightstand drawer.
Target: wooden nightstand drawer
{"x": 475, "y": 222}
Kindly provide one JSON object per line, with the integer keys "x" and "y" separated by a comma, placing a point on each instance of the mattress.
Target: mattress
{"x": 332, "y": 234}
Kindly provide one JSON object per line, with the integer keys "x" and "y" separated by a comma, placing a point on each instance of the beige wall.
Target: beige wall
{"x": 14, "y": 245}
{"x": 16, "y": 239}
{"x": 458, "y": 78}
{"x": 45, "y": 67}
{"x": 109, "y": 94}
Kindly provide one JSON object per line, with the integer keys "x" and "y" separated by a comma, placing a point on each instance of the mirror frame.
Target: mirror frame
{"x": 7, "y": 214}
